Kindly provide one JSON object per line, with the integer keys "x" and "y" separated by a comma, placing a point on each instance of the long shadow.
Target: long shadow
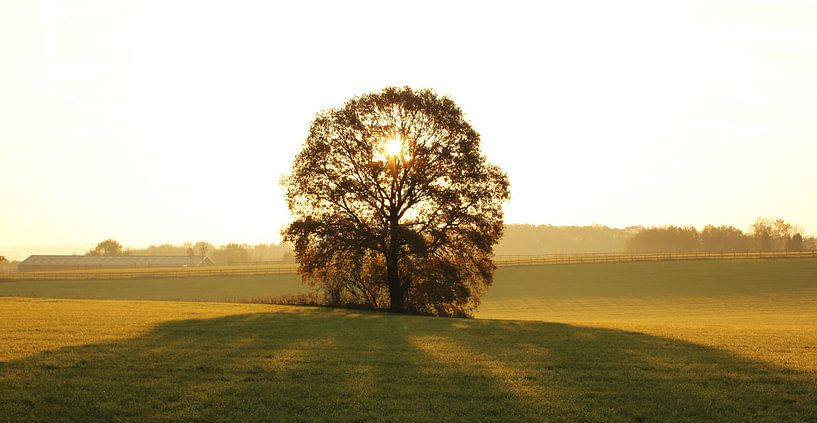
{"x": 350, "y": 366}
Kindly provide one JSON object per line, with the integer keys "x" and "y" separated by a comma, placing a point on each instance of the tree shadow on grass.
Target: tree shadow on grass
{"x": 358, "y": 366}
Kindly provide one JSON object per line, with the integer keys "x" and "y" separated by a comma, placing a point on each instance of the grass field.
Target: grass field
{"x": 776, "y": 292}
{"x": 261, "y": 269}
{"x": 151, "y": 272}
{"x": 227, "y": 288}
{"x": 687, "y": 341}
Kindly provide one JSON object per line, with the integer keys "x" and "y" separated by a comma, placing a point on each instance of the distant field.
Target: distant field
{"x": 602, "y": 291}
{"x": 709, "y": 292}
{"x": 763, "y": 309}
{"x": 225, "y": 288}
{"x": 259, "y": 269}
{"x": 152, "y": 272}
{"x": 666, "y": 341}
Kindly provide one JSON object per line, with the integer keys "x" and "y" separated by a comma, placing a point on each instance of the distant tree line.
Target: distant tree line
{"x": 6, "y": 266}
{"x": 549, "y": 239}
{"x": 764, "y": 235}
{"x": 227, "y": 254}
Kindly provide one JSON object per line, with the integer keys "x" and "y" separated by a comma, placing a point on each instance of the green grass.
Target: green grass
{"x": 706, "y": 278}
{"x": 579, "y": 293}
{"x": 775, "y": 292}
{"x": 670, "y": 341}
{"x": 227, "y": 288}
{"x": 251, "y": 363}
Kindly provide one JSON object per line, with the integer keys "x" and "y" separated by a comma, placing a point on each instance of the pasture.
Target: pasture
{"x": 679, "y": 341}
{"x": 209, "y": 288}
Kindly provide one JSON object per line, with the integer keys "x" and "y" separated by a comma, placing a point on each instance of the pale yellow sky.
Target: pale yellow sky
{"x": 171, "y": 121}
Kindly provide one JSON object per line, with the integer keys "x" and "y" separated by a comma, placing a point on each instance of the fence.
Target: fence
{"x": 630, "y": 257}
{"x": 501, "y": 261}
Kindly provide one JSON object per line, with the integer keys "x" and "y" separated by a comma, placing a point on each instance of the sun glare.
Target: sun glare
{"x": 393, "y": 147}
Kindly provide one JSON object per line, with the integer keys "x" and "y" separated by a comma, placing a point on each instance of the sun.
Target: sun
{"x": 393, "y": 147}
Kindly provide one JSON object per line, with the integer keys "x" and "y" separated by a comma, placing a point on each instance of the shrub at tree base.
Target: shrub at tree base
{"x": 395, "y": 206}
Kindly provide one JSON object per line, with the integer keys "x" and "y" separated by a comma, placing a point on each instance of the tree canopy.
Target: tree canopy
{"x": 109, "y": 247}
{"x": 394, "y": 205}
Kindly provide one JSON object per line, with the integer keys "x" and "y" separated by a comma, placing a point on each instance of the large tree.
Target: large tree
{"x": 395, "y": 206}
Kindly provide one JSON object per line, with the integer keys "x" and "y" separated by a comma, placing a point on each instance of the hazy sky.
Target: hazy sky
{"x": 172, "y": 121}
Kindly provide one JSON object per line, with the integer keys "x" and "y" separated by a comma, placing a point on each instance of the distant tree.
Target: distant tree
{"x": 762, "y": 234}
{"x": 781, "y": 233}
{"x": 285, "y": 251}
{"x": 724, "y": 239}
{"x": 163, "y": 250}
{"x": 764, "y": 241}
{"x": 795, "y": 243}
{"x": 665, "y": 239}
{"x": 202, "y": 248}
{"x": 773, "y": 234}
{"x": 393, "y": 201}
{"x": 809, "y": 243}
{"x": 3, "y": 259}
{"x": 231, "y": 254}
{"x": 546, "y": 239}
{"x": 263, "y": 252}
{"x": 109, "y": 247}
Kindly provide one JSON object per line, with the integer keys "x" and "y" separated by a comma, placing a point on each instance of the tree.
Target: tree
{"x": 665, "y": 239}
{"x": 724, "y": 239}
{"x": 202, "y": 248}
{"x": 762, "y": 234}
{"x": 288, "y": 257}
{"x": 109, "y": 247}
{"x": 773, "y": 235}
{"x": 795, "y": 243}
{"x": 395, "y": 206}
{"x": 231, "y": 253}
{"x": 520, "y": 239}
{"x": 809, "y": 243}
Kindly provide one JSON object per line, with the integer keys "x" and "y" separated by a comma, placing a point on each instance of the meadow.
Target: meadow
{"x": 679, "y": 341}
{"x": 207, "y": 288}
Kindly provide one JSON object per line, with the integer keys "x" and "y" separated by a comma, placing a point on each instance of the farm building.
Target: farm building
{"x": 40, "y": 263}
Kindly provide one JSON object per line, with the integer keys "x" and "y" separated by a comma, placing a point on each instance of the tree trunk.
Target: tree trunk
{"x": 395, "y": 293}
{"x": 396, "y": 296}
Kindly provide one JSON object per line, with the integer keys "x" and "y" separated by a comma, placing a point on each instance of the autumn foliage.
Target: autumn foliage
{"x": 394, "y": 206}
